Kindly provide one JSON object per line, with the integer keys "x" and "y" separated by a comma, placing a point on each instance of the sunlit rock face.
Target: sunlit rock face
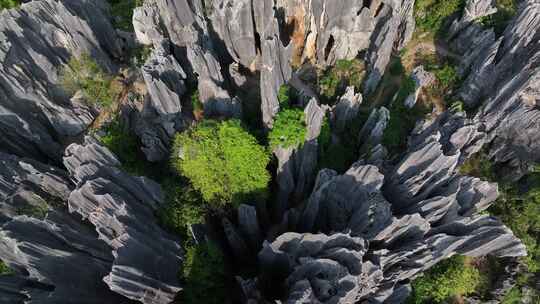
{"x": 391, "y": 227}
{"x": 501, "y": 77}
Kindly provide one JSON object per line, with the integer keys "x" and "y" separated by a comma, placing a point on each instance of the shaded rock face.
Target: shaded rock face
{"x": 502, "y": 78}
{"x": 297, "y": 166}
{"x": 162, "y": 114}
{"x": 121, "y": 207}
{"x": 35, "y": 42}
{"x": 55, "y": 257}
{"x": 417, "y": 213}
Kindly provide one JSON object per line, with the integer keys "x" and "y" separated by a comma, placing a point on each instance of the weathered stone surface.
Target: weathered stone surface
{"x": 505, "y": 77}
{"x": 161, "y": 116}
{"x": 55, "y": 257}
{"x": 422, "y": 78}
{"x": 147, "y": 24}
{"x": 36, "y": 40}
{"x": 394, "y": 23}
{"x": 372, "y": 132}
{"x": 346, "y": 109}
{"x": 233, "y": 22}
{"x": 296, "y": 166}
{"x": 419, "y": 214}
{"x": 319, "y": 268}
{"x": 122, "y": 208}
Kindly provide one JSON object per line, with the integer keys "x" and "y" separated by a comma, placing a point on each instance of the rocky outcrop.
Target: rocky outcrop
{"x": 161, "y": 115}
{"x": 270, "y": 38}
{"x": 122, "y": 207}
{"x": 36, "y": 40}
{"x": 394, "y": 25}
{"x": 416, "y": 214}
{"x": 345, "y": 110}
{"x": 504, "y": 74}
{"x": 55, "y": 257}
{"x": 422, "y": 78}
{"x": 297, "y": 165}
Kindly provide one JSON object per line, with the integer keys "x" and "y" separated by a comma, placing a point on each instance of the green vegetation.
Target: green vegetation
{"x": 184, "y": 207}
{"x": 513, "y": 296}
{"x": 506, "y": 10}
{"x": 518, "y": 207}
{"x": 4, "y": 269}
{"x": 289, "y": 129}
{"x": 85, "y": 75}
{"x": 341, "y": 155}
{"x": 520, "y": 211}
{"x": 480, "y": 166}
{"x": 336, "y": 79}
{"x": 125, "y": 146}
{"x": 402, "y": 119}
{"x": 38, "y": 211}
{"x": 431, "y": 15}
{"x": 196, "y": 104}
{"x": 9, "y": 3}
{"x": 205, "y": 275}
{"x": 122, "y": 11}
{"x": 140, "y": 54}
{"x": 449, "y": 278}
{"x": 223, "y": 162}
{"x": 447, "y": 76}
{"x": 284, "y": 95}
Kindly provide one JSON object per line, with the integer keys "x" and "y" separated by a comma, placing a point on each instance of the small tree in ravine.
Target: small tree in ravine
{"x": 289, "y": 129}
{"x": 223, "y": 162}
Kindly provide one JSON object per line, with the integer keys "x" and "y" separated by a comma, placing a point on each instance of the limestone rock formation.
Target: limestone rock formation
{"x": 161, "y": 116}
{"x": 416, "y": 214}
{"x": 504, "y": 74}
{"x": 122, "y": 208}
{"x": 54, "y": 256}
{"x": 35, "y": 42}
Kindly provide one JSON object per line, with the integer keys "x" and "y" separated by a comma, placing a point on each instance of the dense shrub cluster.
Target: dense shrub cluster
{"x": 204, "y": 274}
{"x": 449, "y": 278}
{"x": 184, "y": 206}
{"x": 430, "y": 15}
{"x": 336, "y": 79}
{"x": 122, "y": 12}
{"x": 519, "y": 209}
{"x": 125, "y": 146}
{"x": 4, "y": 269}
{"x": 9, "y": 3}
{"x": 289, "y": 129}
{"x": 222, "y": 161}
{"x": 84, "y": 74}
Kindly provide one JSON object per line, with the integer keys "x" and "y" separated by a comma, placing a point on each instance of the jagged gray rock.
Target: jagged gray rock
{"x": 346, "y": 109}
{"x": 36, "y": 40}
{"x": 395, "y": 23}
{"x": 55, "y": 257}
{"x": 504, "y": 75}
{"x": 320, "y": 268}
{"x": 161, "y": 116}
{"x": 422, "y": 78}
{"x": 122, "y": 207}
{"x": 297, "y": 165}
{"x": 419, "y": 214}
